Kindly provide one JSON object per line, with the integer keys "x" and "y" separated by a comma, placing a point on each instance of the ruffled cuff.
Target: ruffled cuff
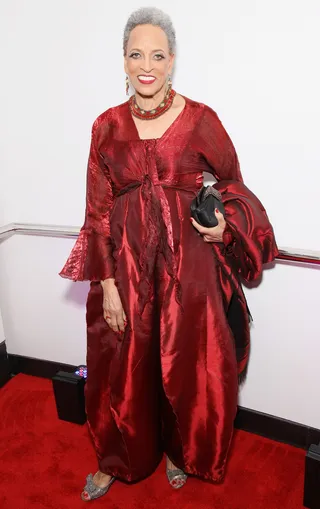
{"x": 90, "y": 259}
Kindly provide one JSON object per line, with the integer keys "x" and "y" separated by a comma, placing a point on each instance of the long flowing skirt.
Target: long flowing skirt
{"x": 169, "y": 384}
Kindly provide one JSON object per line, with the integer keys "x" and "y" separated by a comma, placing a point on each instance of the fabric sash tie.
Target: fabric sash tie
{"x": 157, "y": 236}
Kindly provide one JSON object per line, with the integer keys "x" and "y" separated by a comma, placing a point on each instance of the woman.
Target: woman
{"x": 167, "y": 321}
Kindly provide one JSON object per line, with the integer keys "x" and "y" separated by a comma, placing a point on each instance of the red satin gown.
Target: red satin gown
{"x": 169, "y": 384}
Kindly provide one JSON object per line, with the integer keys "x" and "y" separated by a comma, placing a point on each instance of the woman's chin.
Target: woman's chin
{"x": 147, "y": 90}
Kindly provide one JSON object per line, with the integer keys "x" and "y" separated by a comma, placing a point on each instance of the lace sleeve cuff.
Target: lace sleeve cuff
{"x": 90, "y": 259}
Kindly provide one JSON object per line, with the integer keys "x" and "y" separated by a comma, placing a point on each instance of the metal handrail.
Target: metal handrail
{"x": 285, "y": 253}
{"x": 43, "y": 230}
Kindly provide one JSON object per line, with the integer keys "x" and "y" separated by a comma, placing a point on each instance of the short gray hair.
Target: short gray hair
{"x": 150, "y": 16}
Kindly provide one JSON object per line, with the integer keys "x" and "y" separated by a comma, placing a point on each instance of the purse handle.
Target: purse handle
{"x": 212, "y": 190}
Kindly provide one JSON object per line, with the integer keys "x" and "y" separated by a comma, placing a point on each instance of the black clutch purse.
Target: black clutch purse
{"x": 203, "y": 205}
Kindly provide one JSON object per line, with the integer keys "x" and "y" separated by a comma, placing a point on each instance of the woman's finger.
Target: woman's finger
{"x": 201, "y": 229}
{"x": 220, "y": 217}
{"x": 114, "y": 324}
{"x": 111, "y": 320}
{"x": 108, "y": 320}
{"x": 113, "y": 310}
{"x": 120, "y": 322}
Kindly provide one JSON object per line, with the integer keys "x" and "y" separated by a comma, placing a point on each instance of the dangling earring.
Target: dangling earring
{"x": 127, "y": 85}
{"x": 169, "y": 83}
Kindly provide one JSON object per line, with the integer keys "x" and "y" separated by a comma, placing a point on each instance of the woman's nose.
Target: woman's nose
{"x": 146, "y": 65}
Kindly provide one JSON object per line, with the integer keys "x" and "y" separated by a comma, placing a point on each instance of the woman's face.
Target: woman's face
{"x": 148, "y": 61}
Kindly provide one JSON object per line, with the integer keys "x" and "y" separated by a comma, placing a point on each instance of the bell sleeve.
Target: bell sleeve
{"x": 248, "y": 239}
{"x": 91, "y": 257}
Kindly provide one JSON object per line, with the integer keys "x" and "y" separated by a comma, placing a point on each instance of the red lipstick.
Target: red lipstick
{"x": 146, "y": 80}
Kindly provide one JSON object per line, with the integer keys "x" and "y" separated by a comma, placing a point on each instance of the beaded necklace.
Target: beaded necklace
{"x": 154, "y": 113}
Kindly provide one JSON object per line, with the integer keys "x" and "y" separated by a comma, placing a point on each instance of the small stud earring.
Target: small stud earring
{"x": 127, "y": 85}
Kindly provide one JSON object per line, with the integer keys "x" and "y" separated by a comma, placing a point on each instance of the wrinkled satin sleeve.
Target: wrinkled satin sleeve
{"x": 248, "y": 238}
{"x": 91, "y": 257}
{"x": 252, "y": 237}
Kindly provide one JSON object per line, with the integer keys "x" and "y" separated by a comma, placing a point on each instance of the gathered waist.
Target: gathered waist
{"x": 147, "y": 179}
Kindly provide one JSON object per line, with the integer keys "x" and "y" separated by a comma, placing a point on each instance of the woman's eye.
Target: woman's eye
{"x": 134, "y": 55}
{"x": 158, "y": 56}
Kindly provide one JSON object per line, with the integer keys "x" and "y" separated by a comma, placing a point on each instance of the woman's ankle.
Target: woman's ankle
{"x": 101, "y": 478}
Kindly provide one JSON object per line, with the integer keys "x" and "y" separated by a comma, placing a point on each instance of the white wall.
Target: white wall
{"x": 254, "y": 63}
{"x": 43, "y": 314}
{"x": 2, "y": 336}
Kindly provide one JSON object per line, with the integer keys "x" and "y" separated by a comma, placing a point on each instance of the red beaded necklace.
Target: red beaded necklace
{"x": 156, "y": 112}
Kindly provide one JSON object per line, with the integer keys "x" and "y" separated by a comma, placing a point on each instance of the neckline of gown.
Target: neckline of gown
{"x": 160, "y": 138}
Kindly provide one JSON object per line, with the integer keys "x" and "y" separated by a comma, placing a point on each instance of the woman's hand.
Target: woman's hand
{"x": 113, "y": 311}
{"x": 214, "y": 234}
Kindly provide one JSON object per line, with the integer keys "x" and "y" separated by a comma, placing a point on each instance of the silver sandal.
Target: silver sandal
{"x": 93, "y": 490}
{"x": 176, "y": 477}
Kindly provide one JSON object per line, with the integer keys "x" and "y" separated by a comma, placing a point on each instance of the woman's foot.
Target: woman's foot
{"x": 97, "y": 485}
{"x": 176, "y": 477}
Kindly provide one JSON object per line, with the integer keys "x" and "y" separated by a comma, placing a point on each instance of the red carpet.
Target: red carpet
{"x": 44, "y": 462}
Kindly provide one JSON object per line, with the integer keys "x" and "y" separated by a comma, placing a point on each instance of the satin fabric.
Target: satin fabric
{"x": 170, "y": 382}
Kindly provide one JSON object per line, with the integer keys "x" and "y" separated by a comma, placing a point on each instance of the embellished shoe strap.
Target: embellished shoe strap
{"x": 176, "y": 474}
{"x": 94, "y": 490}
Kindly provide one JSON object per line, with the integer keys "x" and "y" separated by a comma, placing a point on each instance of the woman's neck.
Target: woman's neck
{"x": 149, "y": 103}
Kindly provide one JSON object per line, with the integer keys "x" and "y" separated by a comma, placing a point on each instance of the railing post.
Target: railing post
{"x": 311, "y": 498}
